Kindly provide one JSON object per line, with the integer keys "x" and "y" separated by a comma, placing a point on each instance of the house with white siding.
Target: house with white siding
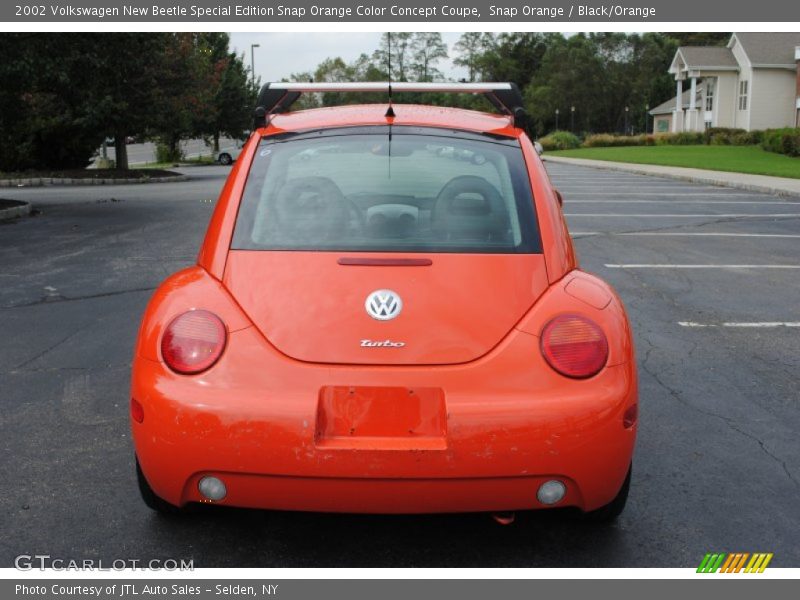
{"x": 752, "y": 83}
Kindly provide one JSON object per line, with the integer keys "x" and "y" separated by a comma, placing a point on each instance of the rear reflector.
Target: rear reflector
{"x": 631, "y": 416}
{"x": 193, "y": 342}
{"x": 574, "y": 346}
{"x": 551, "y": 492}
{"x": 212, "y": 488}
{"x": 137, "y": 411}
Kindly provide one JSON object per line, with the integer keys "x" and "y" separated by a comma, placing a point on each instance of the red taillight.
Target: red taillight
{"x": 574, "y": 346}
{"x": 193, "y": 341}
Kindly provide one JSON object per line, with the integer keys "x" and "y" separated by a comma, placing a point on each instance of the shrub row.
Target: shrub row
{"x": 605, "y": 140}
{"x": 784, "y": 141}
{"x": 560, "y": 140}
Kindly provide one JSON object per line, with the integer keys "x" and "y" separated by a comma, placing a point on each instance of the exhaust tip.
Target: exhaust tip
{"x": 504, "y": 518}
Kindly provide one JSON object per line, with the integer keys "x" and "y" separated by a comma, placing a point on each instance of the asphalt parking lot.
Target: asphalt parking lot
{"x": 711, "y": 281}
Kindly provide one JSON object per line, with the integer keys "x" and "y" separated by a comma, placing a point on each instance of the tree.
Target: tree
{"x": 393, "y": 56}
{"x": 651, "y": 82}
{"x": 694, "y": 38}
{"x": 233, "y": 100}
{"x": 514, "y": 57}
{"x": 48, "y": 118}
{"x": 366, "y": 69}
{"x": 129, "y": 76}
{"x": 185, "y": 92}
{"x": 54, "y": 113}
{"x": 571, "y": 74}
{"x": 427, "y": 50}
{"x": 470, "y": 47}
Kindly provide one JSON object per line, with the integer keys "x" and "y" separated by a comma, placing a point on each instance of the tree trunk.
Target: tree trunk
{"x": 216, "y": 143}
{"x": 120, "y": 151}
{"x": 175, "y": 148}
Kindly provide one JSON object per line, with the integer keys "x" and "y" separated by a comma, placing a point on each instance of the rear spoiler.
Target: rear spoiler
{"x": 278, "y": 97}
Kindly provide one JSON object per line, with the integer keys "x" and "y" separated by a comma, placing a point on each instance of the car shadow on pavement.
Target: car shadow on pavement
{"x": 255, "y": 538}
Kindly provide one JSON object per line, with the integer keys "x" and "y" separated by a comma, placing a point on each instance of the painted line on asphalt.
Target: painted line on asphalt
{"x": 691, "y": 216}
{"x": 643, "y": 188}
{"x": 679, "y": 234}
{"x": 566, "y": 180}
{"x": 669, "y": 266}
{"x": 756, "y": 324}
{"x": 566, "y": 192}
{"x": 682, "y": 202}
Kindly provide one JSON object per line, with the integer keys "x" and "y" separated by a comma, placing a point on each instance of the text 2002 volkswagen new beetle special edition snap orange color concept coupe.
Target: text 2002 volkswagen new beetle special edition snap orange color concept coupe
{"x": 386, "y": 316}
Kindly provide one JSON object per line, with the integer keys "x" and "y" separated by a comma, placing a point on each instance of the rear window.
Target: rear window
{"x": 387, "y": 192}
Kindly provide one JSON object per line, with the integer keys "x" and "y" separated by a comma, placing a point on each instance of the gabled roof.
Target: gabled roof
{"x": 768, "y": 49}
{"x": 668, "y": 106}
{"x": 763, "y": 50}
{"x": 707, "y": 57}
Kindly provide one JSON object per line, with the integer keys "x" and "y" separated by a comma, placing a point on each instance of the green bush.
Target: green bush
{"x": 687, "y": 138}
{"x": 782, "y": 141}
{"x": 560, "y": 140}
{"x": 748, "y": 138}
{"x": 599, "y": 140}
{"x": 722, "y": 136}
{"x": 165, "y": 154}
{"x": 606, "y": 140}
{"x": 790, "y": 144}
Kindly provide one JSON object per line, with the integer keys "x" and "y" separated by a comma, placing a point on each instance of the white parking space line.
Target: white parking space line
{"x": 606, "y": 181}
{"x": 757, "y": 324}
{"x": 598, "y": 192}
{"x": 668, "y": 266}
{"x": 683, "y": 202}
{"x": 586, "y": 189}
{"x": 681, "y": 234}
{"x": 691, "y": 215}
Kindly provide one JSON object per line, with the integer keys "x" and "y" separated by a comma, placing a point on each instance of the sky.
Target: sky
{"x": 281, "y": 54}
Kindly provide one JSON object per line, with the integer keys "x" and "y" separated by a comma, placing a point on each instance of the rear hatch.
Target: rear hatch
{"x": 357, "y": 246}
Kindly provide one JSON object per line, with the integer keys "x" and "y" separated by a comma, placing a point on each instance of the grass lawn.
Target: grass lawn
{"x": 200, "y": 160}
{"x": 739, "y": 159}
{"x": 89, "y": 174}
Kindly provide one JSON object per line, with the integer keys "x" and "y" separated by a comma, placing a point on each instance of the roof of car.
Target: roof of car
{"x": 405, "y": 114}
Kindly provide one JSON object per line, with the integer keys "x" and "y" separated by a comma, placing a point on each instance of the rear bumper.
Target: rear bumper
{"x": 508, "y": 424}
{"x": 384, "y": 496}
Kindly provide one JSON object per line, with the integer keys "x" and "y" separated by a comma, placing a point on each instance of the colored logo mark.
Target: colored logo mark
{"x": 734, "y": 563}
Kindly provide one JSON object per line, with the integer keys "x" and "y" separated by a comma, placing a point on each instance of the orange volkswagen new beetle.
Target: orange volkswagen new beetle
{"x": 386, "y": 316}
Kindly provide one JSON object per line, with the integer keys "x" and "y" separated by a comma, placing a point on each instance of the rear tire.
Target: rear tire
{"x": 150, "y": 498}
{"x": 225, "y": 159}
{"x": 612, "y": 510}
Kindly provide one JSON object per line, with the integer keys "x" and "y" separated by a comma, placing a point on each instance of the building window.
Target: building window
{"x": 710, "y": 85}
{"x": 743, "y": 95}
{"x": 662, "y": 125}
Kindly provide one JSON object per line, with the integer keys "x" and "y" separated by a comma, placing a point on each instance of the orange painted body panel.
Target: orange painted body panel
{"x": 468, "y": 416}
{"x": 454, "y": 311}
{"x": 508, "y": 415}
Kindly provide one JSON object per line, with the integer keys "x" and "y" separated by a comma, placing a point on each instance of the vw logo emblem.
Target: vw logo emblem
{"x": 383, "y": 305}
